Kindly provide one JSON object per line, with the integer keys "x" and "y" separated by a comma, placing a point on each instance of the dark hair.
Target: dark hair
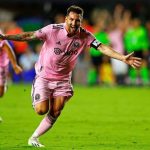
{"x": 75, "y": 9}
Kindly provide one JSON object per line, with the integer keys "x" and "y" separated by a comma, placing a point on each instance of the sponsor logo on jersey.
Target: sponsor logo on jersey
{"x": 57, "y": 51}
{"x": 69, "y": 53}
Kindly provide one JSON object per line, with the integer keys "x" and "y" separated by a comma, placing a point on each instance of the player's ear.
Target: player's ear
{"x": 66, "y": 18}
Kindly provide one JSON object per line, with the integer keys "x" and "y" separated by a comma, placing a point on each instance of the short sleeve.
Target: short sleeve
{"x": 44, "y": 32}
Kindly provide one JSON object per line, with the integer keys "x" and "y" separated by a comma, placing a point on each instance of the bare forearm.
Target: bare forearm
{"x": 25, "y": 36}
{"x": 10, "y": 54}
{"x": 107, "y": 50}
{"x": 12, "y": 59}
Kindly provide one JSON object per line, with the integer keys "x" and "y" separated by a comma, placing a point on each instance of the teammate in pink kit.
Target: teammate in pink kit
{"x": 63, "y": 43}
{"x": 6, "y": 54}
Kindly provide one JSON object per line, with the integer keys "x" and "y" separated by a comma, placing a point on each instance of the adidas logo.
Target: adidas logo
{"x": 58, "y": 43}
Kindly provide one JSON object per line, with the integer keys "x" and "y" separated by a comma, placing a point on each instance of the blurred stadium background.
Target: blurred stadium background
{"x": 110, "y": 107}
{"x": 124, "y": 24}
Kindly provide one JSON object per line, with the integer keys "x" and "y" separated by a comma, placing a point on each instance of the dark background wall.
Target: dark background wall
{"x": 48, "y": 8}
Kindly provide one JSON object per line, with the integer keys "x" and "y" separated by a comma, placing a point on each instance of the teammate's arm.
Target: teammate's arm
{"x": 24, "y": 36}
{"x": 7, "y": 48}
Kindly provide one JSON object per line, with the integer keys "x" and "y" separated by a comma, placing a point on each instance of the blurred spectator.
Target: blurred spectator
{"x": 27, "y": 61}
{"x": 106, "y": 73}
{"x": 119, "y": 68}
{"x": 19, "y": 47}
{"x": 136, "y": 40}
{"x": 86, "y": 25}
{"x": 148, "y": 32}
{"x": 117, "y": 27}
{"x": 101, "y": 35}
{"x": 59, "y": 18}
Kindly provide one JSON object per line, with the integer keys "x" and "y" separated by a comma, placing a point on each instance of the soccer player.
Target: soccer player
{"x": 6, "y": 54}
{"x": 62, "y": 45}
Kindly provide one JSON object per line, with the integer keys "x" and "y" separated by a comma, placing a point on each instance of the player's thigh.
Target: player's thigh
{"x": 63, "y": 91}
{"x": 42, "y": 107}
{"x": 3, "y": 75}
{"x": 57, "y": 104}
{"x": 40, "y": 95}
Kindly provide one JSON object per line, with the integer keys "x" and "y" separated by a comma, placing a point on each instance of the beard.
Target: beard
{"x": 74, "y": 29}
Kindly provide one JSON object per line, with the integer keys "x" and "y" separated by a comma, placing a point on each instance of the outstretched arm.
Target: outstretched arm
{"x": 12, "y": 58}
{"x": 135, "y": 62}
{"x": 25, "y": 36}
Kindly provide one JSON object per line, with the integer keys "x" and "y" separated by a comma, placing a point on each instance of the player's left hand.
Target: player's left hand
{"x": 135, "y": 62}
{"x": 17, "y": 69}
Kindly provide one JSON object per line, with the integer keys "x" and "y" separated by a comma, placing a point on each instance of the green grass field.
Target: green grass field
{"x": 95, "y": 118}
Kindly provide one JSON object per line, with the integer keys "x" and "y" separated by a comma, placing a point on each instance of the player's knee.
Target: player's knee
{"x": 41, "y": 110}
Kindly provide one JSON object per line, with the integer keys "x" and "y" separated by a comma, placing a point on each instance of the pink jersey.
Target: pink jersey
{"x": 59, "y": 52}
{"x": 4, "y": 61}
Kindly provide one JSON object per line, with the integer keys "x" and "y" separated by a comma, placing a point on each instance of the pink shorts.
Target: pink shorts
{"x": 43, "y": 89}
{"x": 3, "y": 75}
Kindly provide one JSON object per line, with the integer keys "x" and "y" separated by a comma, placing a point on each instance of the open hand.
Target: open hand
{"x": 135, "y": 62}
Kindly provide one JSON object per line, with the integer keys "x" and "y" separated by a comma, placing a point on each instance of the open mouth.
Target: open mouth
{"x": 73, "y": 27}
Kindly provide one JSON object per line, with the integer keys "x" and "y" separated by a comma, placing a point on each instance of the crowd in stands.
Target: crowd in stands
{"x": 126, "y": 33}
{"x": 120, "y": 29}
